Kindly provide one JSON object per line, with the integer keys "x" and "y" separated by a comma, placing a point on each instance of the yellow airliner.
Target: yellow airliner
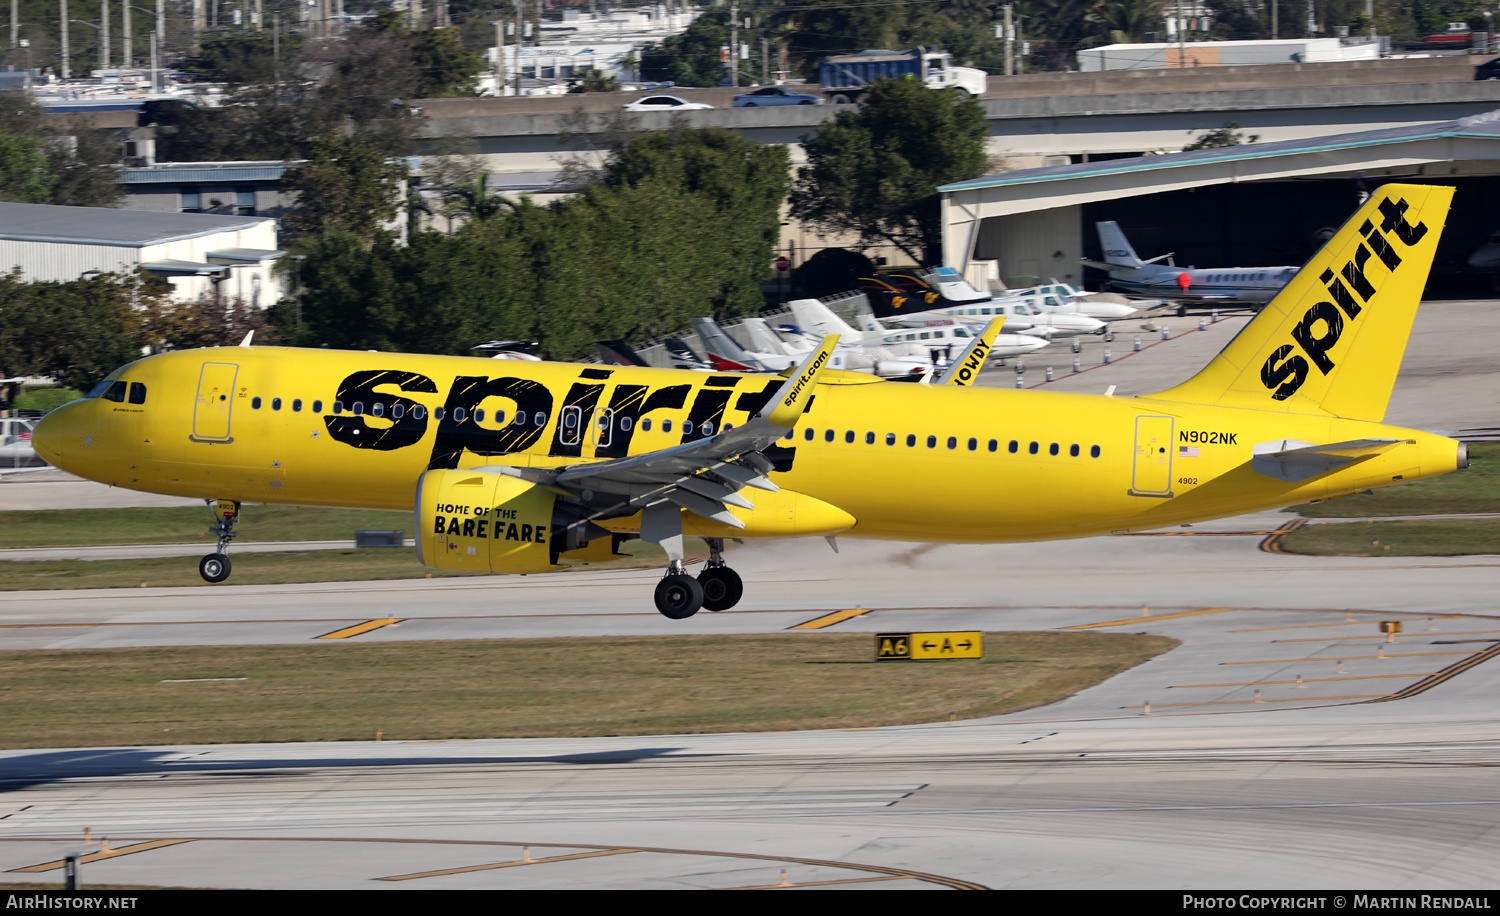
{"x": 512, "y": 465}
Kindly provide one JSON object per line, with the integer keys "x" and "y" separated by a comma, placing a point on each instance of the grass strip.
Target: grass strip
{"x": 187, "y": 525}
{"x": 594, "y": 686}
{"x": 1454, "y": 537}
{"x": 1472, "y": 490}
{"x": 282, "y": 567}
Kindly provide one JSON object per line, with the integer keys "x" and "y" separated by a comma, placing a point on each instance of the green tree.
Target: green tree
{"x": 445, "y": 68}
{"x": 875, "y": 171}
{"x": 24, "y": 175}
{"x": 691, "y": 58}
{"x": 76, "y": 332}
{"x": 49, "y": 159}
{"x": 347, "y": 183}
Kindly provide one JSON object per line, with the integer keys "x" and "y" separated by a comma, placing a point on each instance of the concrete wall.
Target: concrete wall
{"x": 1034, "y": 247}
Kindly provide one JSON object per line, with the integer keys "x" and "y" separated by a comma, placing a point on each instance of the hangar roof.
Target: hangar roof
{"x": 966, "y": 204}
{"x": 111, "y": 227}
{"x": 1485, "y": 126}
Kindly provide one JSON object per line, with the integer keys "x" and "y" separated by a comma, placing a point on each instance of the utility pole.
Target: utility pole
{"x": 15, "y": 22}
{"x": 734, "y": 43}
{"x": 1181, "y": 49}
{"x": 125, "y": 48}
{"x": 520, "y": 31}
{"x": 63, "y": 4}
{"x": 499, "y": 25}
{"x": 1010, "y": 42}
{"x": 104, "y": 35}
{"x": 765, "y": 61}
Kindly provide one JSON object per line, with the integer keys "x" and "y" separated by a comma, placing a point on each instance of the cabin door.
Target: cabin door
{"x": 1152, "y": 474}
{"x": 215, "y": 401}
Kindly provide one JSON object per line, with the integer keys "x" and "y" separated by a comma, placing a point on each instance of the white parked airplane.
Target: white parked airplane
{"x": 939, "y": 341}
{"x": 729, "y": 356}
{"x": 1185, "y": 285}
{"x": 1069, "y": 299}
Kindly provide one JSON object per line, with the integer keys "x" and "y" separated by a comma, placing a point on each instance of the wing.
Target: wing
{"x": 703, "y": 477}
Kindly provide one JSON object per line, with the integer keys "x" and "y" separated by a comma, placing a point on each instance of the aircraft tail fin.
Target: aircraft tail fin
{"x": 818, "y": 319}
{"x": 1117, "y": 250}
{"x": 717, "y": 343}
{"x": 762, "y": 337}
{"x": 1331, "y": 341}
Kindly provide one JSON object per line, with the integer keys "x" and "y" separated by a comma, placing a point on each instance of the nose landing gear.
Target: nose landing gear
{"x": 216, "y": 566}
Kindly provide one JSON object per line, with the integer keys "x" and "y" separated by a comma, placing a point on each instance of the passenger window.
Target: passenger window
{"x": 1033, "y": 448}
{"x": 869, "y": 438}
{"x": 357, "y": 410}
{"x": 1073, "y": 451}
{"x": 932, "y": 441}
{"x": 338, "y": 407}
{"x": 499, "y": 416}
{"x": 994, "y": 445}
{"x": 419, "y": 411}
{"x": 478, "y": 415}
{"x": 625, "y": 425}
{"x": 254, "y": 402}
{"x": 911, "y": 441}
{"x": 1094, "y": 452}
{"x": 973, "y": 445}
{"x": 137, "y": 393}
{"x": 1052, "y": 449}
{"x": 708, "y": 429}
{"x": 849, "y": 436}
{"x": 666, "y": 426}
{"x": 317, "y": 407}
{"x": 276, "y": 403}
{"x": 952, "y": 442}
{"x": 521, "y": 419}
{"x": 645, "y": 424}
{"x": 890, "y": 438}
{"x": 398, "y": 411}
{"x": 438, "y": 413}
{"x": 296, "y": 405}
{"x": 687, "y": 427}
{"x": 808, "y": 434}
{"x": 458, "y": 414}
{"x": 1014, "y": 446}
{"x": 827, "y": 435}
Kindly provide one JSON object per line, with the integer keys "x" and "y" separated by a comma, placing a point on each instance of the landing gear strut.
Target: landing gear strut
{"x": 216, "y": 566}
{"x": 722, "y": 587}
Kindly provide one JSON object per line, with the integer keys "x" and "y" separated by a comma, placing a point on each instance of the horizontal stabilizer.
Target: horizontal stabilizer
{"x": 1294, "y": 461}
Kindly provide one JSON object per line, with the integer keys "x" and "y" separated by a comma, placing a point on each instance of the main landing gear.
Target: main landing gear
{"x": 216, "y": 566}
{"x": 717, "y": 588}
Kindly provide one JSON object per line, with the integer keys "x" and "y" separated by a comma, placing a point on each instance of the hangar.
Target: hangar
{"x": 1249, "y": 205}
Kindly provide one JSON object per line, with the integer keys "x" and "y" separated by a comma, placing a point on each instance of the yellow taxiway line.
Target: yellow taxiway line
{"x": 511, "y": 864}
{"x": 359, "y": 628}
{"x": 1121, "y": 623}
{"x": 828, "y": 620}
{"x": 102, "y": 854}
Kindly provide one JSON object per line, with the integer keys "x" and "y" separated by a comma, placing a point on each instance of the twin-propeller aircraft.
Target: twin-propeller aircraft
{"x": 513, "y": 468}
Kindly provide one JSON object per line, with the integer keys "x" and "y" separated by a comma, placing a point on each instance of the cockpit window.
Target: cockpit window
{"x": 115, "y": 392}
{"x": 137, "y": 392}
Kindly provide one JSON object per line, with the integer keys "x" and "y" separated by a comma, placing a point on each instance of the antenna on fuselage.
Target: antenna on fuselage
{"x": 248, "y": 335}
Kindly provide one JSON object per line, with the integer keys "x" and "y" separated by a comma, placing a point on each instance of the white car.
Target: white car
{"x": 664, "y": 103}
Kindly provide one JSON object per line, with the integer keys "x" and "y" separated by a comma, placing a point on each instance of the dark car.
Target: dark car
{"x": 775, "y": 95}
{"x": 1488, "y": 71}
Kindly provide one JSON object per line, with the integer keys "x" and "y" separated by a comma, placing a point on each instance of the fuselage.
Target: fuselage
{"x": 1237, "y": 284}
{"x": 908, "y": 462}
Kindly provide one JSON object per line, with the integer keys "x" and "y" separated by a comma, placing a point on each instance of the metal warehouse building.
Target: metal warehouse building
{"x": 201, "y": 255}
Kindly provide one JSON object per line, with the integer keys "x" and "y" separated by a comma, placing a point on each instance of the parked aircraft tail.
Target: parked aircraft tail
{"x": 818, "y": 319}
{"x": 716, "y": 343}
{"x": 1331, "y": 341}
{"x": 618, "y": 353}
{"x": 1117, "y": 250}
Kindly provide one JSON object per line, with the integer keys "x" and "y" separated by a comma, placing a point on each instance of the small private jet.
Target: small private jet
{"x": 1213, "y": 286}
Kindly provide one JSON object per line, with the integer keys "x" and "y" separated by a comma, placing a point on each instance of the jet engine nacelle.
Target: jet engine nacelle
{"x": 481, "y": 521}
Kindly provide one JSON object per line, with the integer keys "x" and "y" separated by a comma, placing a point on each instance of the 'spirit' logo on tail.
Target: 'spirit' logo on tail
{"x": 1352, "y": 289}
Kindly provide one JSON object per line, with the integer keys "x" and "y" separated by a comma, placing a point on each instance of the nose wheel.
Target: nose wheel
{"x": 216, "y": 566}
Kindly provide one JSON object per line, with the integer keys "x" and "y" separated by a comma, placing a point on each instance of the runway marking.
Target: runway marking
{"x": 101, "y": 855}
{"x": 1121, "y": 623}
{"x": 772, "y": 887}
{"x": 359, "y": 628}
{"x": 1272, "y": 544}
{"x": 828, "y": 620}
{"x": 1196, "y": 534}
{"x": 1310, "y": 680}
{"x": 1385, "y": 635}
{"x": 1263, "y": 702}
{"x": 1351, "y": 623}
{"x": 511, "y": 864}
{"x": 1452, "y": 670}
{"x": 894, "y": 872}
{"x": 1338, "y": 658}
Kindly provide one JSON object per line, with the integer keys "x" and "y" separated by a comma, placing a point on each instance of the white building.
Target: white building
{"x": 199, "y": 254}
{"x": 582, "y": 42}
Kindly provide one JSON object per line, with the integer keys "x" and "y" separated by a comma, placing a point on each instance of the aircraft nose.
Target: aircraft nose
{"x": 55, "y": 434}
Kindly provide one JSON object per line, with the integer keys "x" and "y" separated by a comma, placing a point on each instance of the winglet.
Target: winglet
{"x": 797, "y": 390}
{"x": 965, "y": 369}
